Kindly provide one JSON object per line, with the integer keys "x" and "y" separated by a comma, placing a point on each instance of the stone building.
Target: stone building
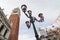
{"x": 58, "y": 20}
{"x": 52, "y": 34}
{"x": 4, "y": 26}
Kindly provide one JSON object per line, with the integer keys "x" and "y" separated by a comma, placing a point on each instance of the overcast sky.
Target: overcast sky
{"x": 50, "y": 9}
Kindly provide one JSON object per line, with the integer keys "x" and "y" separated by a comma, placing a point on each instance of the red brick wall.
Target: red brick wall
{"x": 14, "y": 19}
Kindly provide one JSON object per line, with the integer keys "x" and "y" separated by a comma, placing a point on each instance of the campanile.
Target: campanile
{"x": 14, "y": 21}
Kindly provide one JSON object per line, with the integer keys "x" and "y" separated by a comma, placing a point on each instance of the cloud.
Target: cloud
{"x": 47, "y": 7}
{"x": 26, "y": 37}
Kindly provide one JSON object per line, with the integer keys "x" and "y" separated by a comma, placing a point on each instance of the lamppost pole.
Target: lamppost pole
{"x": 36, "y": 34}
{"x": 32, "y": 20}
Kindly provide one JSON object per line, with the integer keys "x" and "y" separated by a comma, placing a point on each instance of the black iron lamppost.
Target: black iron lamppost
{"x": 32, "y": 19}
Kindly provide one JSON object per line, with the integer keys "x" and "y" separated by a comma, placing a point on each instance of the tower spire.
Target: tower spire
{"x": 16, "y": 11}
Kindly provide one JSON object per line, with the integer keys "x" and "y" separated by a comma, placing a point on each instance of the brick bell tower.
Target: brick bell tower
{"x": 14, "y": 21}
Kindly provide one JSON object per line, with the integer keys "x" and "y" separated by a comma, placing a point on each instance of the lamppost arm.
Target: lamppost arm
{"x": 26, "y": 15}
{"x": 41, "y": 20}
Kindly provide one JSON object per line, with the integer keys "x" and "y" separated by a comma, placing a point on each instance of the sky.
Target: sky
{"x": 49, "y": 8}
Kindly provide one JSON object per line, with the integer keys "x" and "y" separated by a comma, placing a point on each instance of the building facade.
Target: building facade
{"x": 14, "y": 21}
{"x": 4, "y": 26}
{"x": 52, "y": 34}
{"x": 58, "y": 20}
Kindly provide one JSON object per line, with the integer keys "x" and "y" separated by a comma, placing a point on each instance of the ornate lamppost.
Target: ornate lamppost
{"x": 32, "y": 19}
